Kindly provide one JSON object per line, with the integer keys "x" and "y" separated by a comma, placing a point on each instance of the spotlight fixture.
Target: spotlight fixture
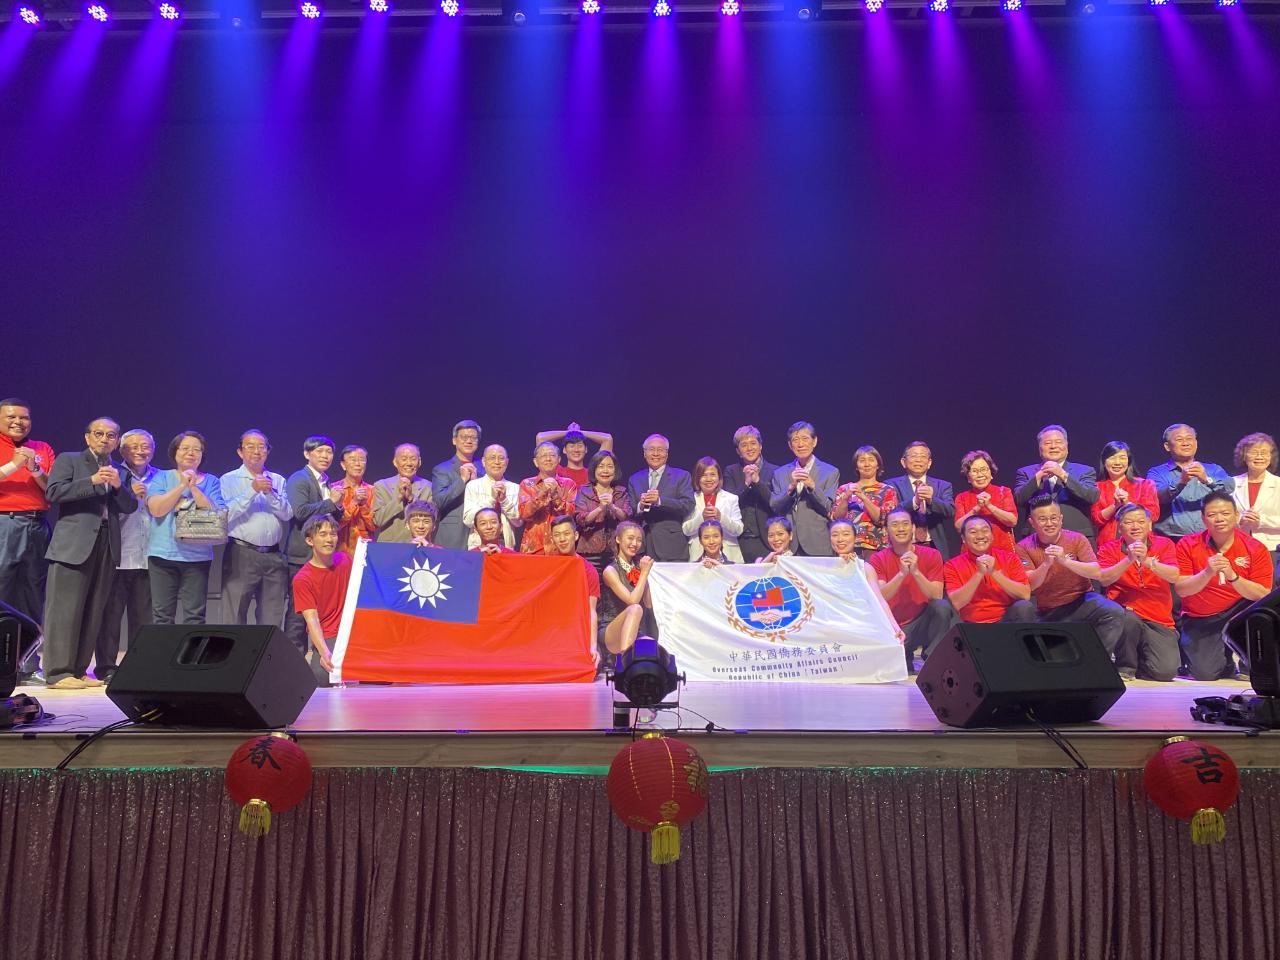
{"x": 590, "y": 6}
{"x": 450, "y": 8}
{"x": 169, "y": 11}
{"x": 1227, "y": 3}
{"x": 1011, "y": 6}
{"x": 730, "y": 8}
{"x": 662, "y": 9}
{"x": 1158, "y": 3}
{"x": 873, "y": 6}
{"x": 32, "y": 14}
{"x": 939, "y": 6}
{"x": 645, "y": 674}
{"x": 310, "y": 10}
{"x": 98, "y": 12}
{"x": 803, "y": 9}
{"x": 379, "y": 6}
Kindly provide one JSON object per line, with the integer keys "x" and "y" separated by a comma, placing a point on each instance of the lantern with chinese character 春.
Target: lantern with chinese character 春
{"x": 266, "y": 775}
{"x": 656, "y": 785}
{"x": 1195, "y": 782}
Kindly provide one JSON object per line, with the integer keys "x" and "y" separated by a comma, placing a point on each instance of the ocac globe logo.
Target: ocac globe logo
{"x": 769, "y": 608}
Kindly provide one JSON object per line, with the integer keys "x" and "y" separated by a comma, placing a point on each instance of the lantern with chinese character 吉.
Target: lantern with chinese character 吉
{"x": 1195, "y": 782}
{"x": 656, "y": 785}
{"x": 266, "y": 775}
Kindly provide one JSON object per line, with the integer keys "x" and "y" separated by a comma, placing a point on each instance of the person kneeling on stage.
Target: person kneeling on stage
{"x": 1222, "y": 571}
{"x": 711, "y": 540}
{"x": 984, "y": 583}
{"x": 625, "y": 604}
{"x": 564, "y": 543}
{"x": 910, "y": 578}
{"x": 488, "y": 526}
{"x": 844, "y": 544}
{"x": 1062, "y": 566}
{"x": 420, "y": 520}
{"x": 319, "y": 590}
{"x": 1136, "y": 571}
{"x": 778, "y": 535}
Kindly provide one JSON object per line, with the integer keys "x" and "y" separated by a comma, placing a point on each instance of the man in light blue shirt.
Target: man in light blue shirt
{"x": 1183, "y": 482}
{"x": 254, "y": 568}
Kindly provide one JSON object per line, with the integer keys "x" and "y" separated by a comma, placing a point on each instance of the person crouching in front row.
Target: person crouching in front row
{"x": 319, "y": 590}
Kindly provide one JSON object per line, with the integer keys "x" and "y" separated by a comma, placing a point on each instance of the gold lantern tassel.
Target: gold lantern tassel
{"x": 664, "y": 843}
{"x": 255, "y": 818}
{"x": 1208, "y": 826}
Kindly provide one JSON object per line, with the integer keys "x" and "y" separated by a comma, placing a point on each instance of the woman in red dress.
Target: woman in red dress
{"x": 1117, "y": 486}
{"x": 985, "y": 499}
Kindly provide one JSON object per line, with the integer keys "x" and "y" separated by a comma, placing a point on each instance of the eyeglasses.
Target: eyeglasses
{"x": 104, "y": 435}
{"x": 255, "y": 447}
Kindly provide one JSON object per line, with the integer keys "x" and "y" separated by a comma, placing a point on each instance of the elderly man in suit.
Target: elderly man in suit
{"x": 309, "y": 496}
{"x": 803, "y": 490}
{"x": 932, "y": 501}
{"x": 1073, "y": 486}
{"x": 392, "y": 496}
{"x": 91, "y": 494}
{"x": 663, "y": 497}
{"x": 750, "y": 480}
{"x": 449, "y": 485}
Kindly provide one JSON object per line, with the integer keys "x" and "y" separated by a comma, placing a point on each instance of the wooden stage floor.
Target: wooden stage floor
{"x": 568, "y": 725}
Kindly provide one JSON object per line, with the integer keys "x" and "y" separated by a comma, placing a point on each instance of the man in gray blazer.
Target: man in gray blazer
{"x": 802, "y": 490}
{"x": 309, "y": 496}
{"x": 1073, "y": 486}
{"x": 750, "y": 480}
{"x": 449, "y": 483}
{"x": 91, "y": 494}
{"x": 663, "y": 498}
{"x": 392, "y": 495}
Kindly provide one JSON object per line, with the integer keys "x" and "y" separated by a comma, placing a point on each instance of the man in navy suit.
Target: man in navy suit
{"x": 449, "y": 483}
{"x": 91, "y": 494}
{"x": 750, "y": 481}
{"x": 663, "y": 498}
{"x": 802, "y": 491}
{"x": 932, "y": 502}
{"x": 1073, "y": 486}
{"x": 309, "y": 496}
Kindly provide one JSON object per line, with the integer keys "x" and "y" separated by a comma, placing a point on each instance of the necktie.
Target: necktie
{"x": 922, "y": 531}
{"x": 653, "y": 479}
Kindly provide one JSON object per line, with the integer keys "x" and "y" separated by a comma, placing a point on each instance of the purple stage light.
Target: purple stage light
{"x": 169, "y": 11}
{"x": 310, "y": 10}
{"x": 379, "y": 6}
{"x": 590, "y": 6}
{"x": 873, "y": 6}
{"x": 730, "y": 8}
{"x": 450, "y": 8}
{"x": 98, "y": 12}
{"x": 1011, "y": 6}
{"x": 939, "y": 6}
{"x": 662, "y": 9}
{"x": 1228, "y": 3}
{"x": 30, "y": 16}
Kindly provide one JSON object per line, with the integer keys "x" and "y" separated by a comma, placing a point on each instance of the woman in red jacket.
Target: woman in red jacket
{"x": 1117, "y": 486}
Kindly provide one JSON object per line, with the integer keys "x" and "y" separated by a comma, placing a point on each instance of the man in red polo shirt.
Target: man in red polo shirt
{"x": 564, "y": 542}
{"x": 24, "y": 528}
{"x": 1136, "y": 571}
{"x": 1061, "y": 567}
{"x": 910, "y": 576}
{"x": 319, "y": 591}
{"x": 1222, "y": 571}
{"x": 984, "y": 583}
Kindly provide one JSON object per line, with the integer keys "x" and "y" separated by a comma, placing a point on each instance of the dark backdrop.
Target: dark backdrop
{"x": 947, "y": 229}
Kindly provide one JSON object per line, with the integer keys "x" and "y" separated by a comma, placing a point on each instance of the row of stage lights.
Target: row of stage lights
{"x": 32, "y": 13}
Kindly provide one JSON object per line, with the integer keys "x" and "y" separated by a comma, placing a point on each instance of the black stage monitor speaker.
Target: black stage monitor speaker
{"x": 10, "y": 637}
{"x": 202, "y": 675}
{"x": 1254, "y": 633}
{"x": 990, "y": 674}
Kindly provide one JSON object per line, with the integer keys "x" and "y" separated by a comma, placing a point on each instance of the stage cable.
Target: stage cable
{"x": 1061, "y": 742}
{"x": 92, "y": 738}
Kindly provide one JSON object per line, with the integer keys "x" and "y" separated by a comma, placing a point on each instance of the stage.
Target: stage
{"x": 569, "y": 726}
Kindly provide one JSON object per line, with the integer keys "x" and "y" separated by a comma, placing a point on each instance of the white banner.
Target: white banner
{"x": 801, "y": 620}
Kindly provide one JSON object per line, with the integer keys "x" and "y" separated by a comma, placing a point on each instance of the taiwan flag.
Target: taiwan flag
{"x": 429, "y": 615}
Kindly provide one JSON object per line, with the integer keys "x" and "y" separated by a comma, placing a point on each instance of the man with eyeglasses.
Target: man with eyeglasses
{"x": 24, "y": 527}
{"x": 663, "y": 496}
{"x": 254, "y": 570}
{"x": 92, "y": 494}
{"x": 449, "y": 485}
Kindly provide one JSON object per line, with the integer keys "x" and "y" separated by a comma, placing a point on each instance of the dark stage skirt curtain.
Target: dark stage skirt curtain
{"x": 478, "y": 864}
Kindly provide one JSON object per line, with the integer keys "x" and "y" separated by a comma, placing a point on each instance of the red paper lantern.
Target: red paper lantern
{"x": 267, "y": 774}
{"x": 1195, "y": 782}
{"x": 656, "y": 785}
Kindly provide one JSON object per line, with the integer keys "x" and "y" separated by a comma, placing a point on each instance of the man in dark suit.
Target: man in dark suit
{"x": 91, "y": 494}
{"x": 663, "y": 498}
{"x": 932, "y": 502}
{"x": 802, "y": 491}
{"x": 449, "y": 483}
{"x": 1073, "y": 486}
{"x": 749, "y": 481}
{"x": 309, "y": 496}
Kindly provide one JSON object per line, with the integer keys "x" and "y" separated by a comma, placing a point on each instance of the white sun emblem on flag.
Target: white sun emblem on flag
{"x": 425, "y": 583}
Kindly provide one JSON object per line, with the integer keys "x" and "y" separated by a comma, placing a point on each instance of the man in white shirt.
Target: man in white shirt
{"x": 492, "y": 490}
{"x": 253, "y": 567}
{"x": 130, "y": 595}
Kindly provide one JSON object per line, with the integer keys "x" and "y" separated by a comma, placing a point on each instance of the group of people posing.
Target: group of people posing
{"x": 1060, "y": 544}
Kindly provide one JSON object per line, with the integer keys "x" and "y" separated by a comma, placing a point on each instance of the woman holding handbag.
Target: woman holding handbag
{"x": 185, "y": 507}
